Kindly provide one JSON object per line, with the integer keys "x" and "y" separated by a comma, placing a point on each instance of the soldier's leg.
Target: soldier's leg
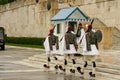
{"x": 56, "y": 63}
{"x": 47, "y": 66}
{"x": 92, "y": 73}
{"x": 73, "y": 62}
{"x": 80, "y": 69}
{"x": 80, "y": 57}
{"x": 65, "y": 63}
{"x": 85, "y": 59}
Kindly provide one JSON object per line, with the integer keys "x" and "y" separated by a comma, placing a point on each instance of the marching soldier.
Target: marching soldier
{"x": 69, "y": 45}
{"x": 51, "y": 47}
{"x": 80, "y": 32}
{"x": 90, "y": 48}
{"x": 79, "y": 35}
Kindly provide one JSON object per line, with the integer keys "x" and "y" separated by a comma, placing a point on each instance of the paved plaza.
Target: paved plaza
{"x": 12, "y": 67}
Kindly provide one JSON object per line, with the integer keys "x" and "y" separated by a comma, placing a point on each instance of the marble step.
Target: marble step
{"x": 38, "y": 61}
{"x": 113, "y": 70}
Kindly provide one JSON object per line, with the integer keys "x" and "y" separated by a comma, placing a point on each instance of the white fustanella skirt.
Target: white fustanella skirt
{"x": 47, "y": 47}
{"x": 72, "y": 49}
{"x": 93, "y": 51}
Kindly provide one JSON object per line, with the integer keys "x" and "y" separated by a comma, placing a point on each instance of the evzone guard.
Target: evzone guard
{"x": 89, "y": 45}
{"x": 69, "y": 46}
{"x": 51, "y": 47}
{"x": 87, "y": 37}
{"x": 79, "y": 36}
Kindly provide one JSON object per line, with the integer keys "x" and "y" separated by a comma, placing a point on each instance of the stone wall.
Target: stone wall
{"x": 19, "y": 18}
{"x": 106, "y": 11}
{"x": 26, "y": 18}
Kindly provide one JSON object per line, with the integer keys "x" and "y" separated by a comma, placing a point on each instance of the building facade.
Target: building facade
{"x": 26, "y": 18}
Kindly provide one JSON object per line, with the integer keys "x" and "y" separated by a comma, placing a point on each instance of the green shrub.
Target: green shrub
{"x": 25, "y": 40}
{"x": 2, "y": 2}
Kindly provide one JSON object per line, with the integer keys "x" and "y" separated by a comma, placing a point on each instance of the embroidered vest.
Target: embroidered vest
{"x": 53, "y": 40}
{"x": 70, "y": 38}
{"x": 91, "y": 39}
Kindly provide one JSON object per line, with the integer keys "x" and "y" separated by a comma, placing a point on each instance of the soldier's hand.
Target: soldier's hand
{"x": 76, "y": 47}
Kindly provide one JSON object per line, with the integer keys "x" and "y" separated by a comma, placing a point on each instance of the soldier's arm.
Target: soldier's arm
{"x": 88, "y": 42}
{"x": 67, "y": 42}
{"x": 75, "y": 43}
{"x": 57, "y": 44}
{"x": 50, "y": 43}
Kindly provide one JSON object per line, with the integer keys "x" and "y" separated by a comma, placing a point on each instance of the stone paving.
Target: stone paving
{"x": 13, "y": 67}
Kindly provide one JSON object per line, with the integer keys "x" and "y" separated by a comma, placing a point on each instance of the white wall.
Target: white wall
{"x": 25, "y": 18}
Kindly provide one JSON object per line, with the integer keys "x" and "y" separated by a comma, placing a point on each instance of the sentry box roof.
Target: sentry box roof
{"x": 70, "y": 14}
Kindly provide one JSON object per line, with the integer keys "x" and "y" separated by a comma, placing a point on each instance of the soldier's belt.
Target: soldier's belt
{"x": 92, "y": 43}
{"x": 70, "y": 43}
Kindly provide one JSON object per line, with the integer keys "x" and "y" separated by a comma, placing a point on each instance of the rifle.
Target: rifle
{"x": 92, "y": 21}
{"x": 54, "y": 27}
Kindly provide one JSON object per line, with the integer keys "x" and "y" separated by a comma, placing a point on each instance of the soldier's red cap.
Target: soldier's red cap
{"x": 88, "y": 26}
{"x": 80, "y": 24}
{"x": 51, "y": 30}
{"x": 69, "y": 27}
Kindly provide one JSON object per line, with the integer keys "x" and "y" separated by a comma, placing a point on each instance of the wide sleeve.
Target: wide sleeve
{"x": 46, "y": 44}
{"x": 67, "y": 42}
{"x": 81, "y": 36}
{"x": 63, "y": 43}
{"x": 57, "y": 44}
{"x": 75, "y": 43}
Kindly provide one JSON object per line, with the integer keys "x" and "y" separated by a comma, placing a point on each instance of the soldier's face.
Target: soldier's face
{"x": 80, "y": 27}
{"x": 85, "y": 29}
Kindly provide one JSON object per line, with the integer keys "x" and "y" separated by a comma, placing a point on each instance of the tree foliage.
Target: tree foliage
{"x": 2, "y": 2}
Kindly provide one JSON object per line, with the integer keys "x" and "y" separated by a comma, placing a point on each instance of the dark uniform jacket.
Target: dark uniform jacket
{"x": 91, "y": 39}
{"x": 53, "y": 40}
{"x": 70, "y": 38}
